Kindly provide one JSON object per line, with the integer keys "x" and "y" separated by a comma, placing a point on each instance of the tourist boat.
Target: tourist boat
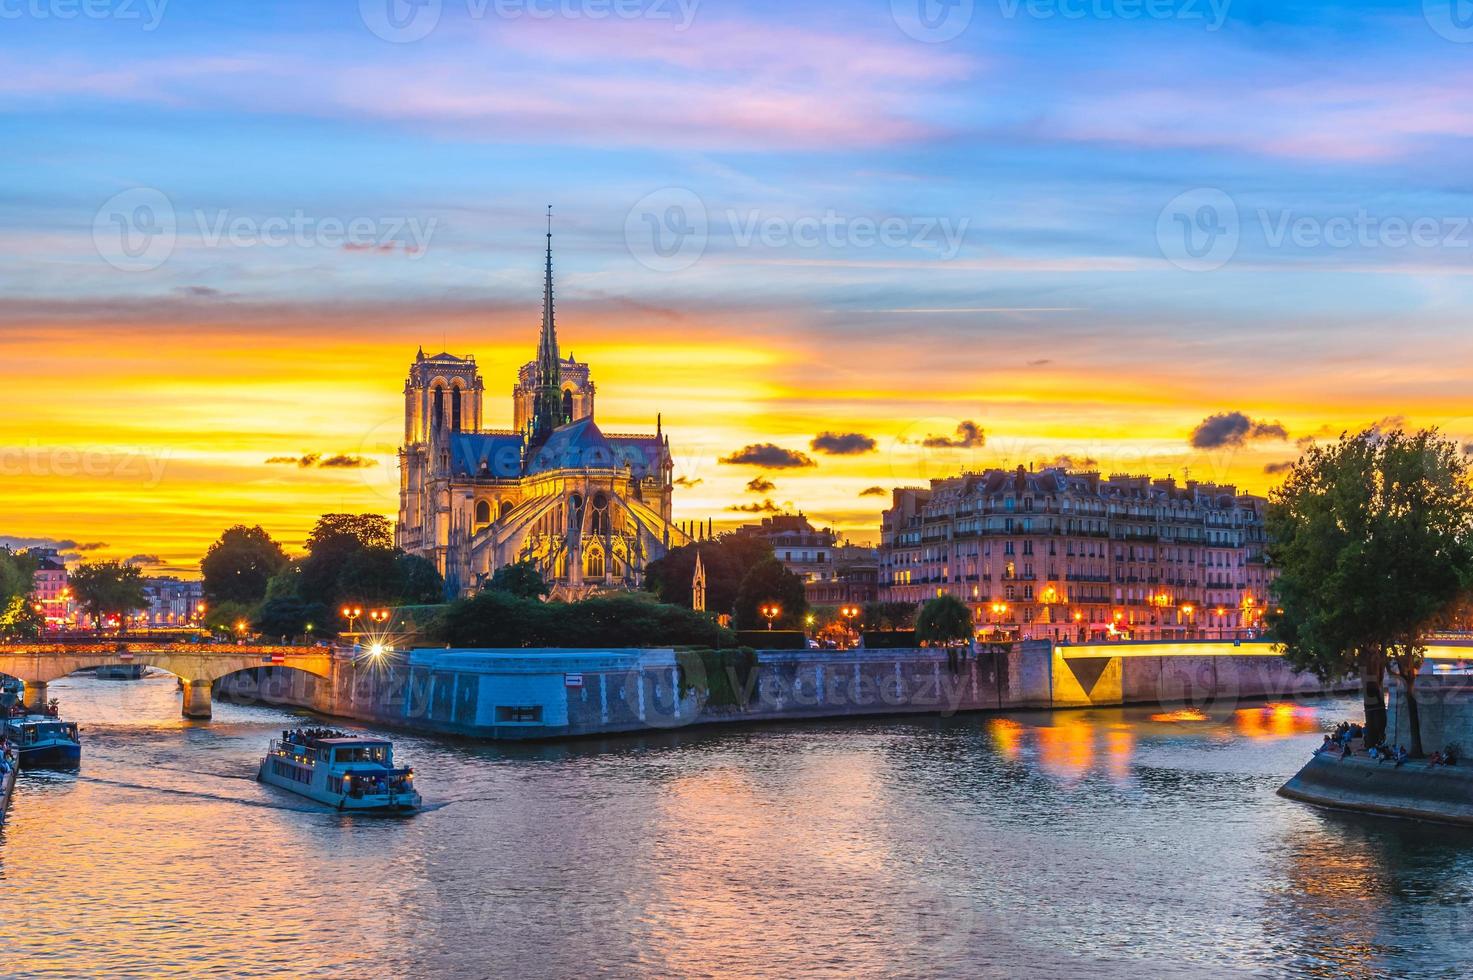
{"x": 350, "y": 772}
{"x": 42, "y": 740}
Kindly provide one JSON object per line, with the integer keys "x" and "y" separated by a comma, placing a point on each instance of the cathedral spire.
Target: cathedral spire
{"x": 548, "y": 408}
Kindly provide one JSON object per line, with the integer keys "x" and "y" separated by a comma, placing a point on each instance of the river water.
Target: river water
{"x": 1115, "y": 843}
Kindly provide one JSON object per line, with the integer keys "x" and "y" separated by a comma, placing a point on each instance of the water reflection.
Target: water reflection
{"x": 1111, "y": 842}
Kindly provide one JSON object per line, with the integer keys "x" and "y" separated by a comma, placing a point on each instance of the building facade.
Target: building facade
{"x": 1075, "y": 556}
{"x": 590, "y": 509}
{"x": 834, "y": 572}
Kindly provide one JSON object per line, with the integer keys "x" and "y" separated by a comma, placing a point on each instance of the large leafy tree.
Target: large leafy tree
{"x": 727, "y": 560}
{"x": 521, "y": 579}
{"x": 944, "y": 621}
{"x": 1371, "y": 540}
{"x": 239, "y": 566}
{"x": 352, "y": 558}
{"x": 107, "y": 588}
{"x": 17, "y": 581}
{"x": 768, "y": 582}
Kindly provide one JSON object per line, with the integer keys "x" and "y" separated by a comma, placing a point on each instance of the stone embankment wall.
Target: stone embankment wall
{"x": 521, "y": 694}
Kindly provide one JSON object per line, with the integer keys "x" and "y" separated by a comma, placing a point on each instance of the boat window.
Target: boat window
{"x": 363, "y": 753}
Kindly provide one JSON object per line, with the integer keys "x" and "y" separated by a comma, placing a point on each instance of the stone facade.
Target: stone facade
{"x": 1074, "y": 556}
{"x": 590, "y": 509}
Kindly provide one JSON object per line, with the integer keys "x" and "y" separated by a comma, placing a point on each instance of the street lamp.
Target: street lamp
{"x": 352, "y": 614}
{"x": 771, "y": 611}
{"x": 379, "y": 615}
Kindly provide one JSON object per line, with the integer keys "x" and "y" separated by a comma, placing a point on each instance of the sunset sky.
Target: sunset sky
{"x": 1047, "y": 235}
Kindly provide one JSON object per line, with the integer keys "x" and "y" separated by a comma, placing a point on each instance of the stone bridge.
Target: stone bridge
{"x": 197, "y": 665}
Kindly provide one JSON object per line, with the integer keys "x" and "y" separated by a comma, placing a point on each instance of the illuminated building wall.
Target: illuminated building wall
{"x": 1076, "y": 556}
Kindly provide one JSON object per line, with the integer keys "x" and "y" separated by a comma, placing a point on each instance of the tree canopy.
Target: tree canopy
{"x": 17, "y": 581}
{"x": 1371, "y": 540}
{"x": 727, "y": 560}
{"x": 520, "y": 579}
{"x": 944, "y": 621}
{"x": 107, "y": 588}
{"x": 239, "y": 565}
{"x": 498, "y": 619}
{"x": 768, "y": 582}
{"x": 352, "y": 558}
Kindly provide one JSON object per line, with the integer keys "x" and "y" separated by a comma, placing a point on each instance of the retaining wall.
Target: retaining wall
{"x": 518, "y": 694}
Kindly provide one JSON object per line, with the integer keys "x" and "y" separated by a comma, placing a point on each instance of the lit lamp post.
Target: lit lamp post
{"x": 379, "y": 616}
{"x": 771, "y": 610}
{"x": 352, "y": 614}
{"x": 850, "y": 614}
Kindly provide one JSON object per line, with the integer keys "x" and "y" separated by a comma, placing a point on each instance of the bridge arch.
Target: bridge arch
{"x": 198, "y": 665}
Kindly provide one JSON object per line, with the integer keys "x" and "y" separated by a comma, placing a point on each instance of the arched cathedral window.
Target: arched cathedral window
{"x": 455, "y": 401}
{"x": 437, "y": 412}
{"x": 483, "y": 512}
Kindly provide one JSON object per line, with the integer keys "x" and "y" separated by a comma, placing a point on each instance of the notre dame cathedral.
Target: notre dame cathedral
{"x": 590, "y": 509}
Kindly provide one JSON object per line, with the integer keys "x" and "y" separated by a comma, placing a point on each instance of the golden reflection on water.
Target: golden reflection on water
{"x": 1276, "y": 720}
{"x": 728, "y": 849}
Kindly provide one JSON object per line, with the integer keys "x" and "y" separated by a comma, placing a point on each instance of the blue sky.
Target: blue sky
{"x": 1107, "y": 220}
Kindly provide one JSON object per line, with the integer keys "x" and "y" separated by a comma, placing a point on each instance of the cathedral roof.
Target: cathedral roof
{"x": 583, "y": 445}
{"x": 497, "y": 454}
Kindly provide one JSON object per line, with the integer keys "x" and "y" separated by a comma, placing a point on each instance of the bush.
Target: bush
{"x": 726, "y": 678}
{"x": 890, "y": 640}
{"x": 497, "y": 619}
{"x": 773, "y": 639}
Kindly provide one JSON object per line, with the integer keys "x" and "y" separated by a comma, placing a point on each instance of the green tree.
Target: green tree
{"x": 727, "y": 560}
{"x": 767, "y": 582}
{"x": 352, "y": 558}
{"x": 521, "y": 579}
{"x": 1371, "y": 540}
{"x": 419, "y": 581}
{"x": 107, "y": 588}
{"x": 291, "y": 617}
{"x": 238, "y": 566}
{"x": 18, "y": 616}
{"x": 889, "y": 615}
{"x": 496, "y": 619}
{"x": 944, "y": 621}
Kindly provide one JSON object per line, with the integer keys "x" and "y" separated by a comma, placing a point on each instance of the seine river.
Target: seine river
{"x": 1102, "y": 843}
